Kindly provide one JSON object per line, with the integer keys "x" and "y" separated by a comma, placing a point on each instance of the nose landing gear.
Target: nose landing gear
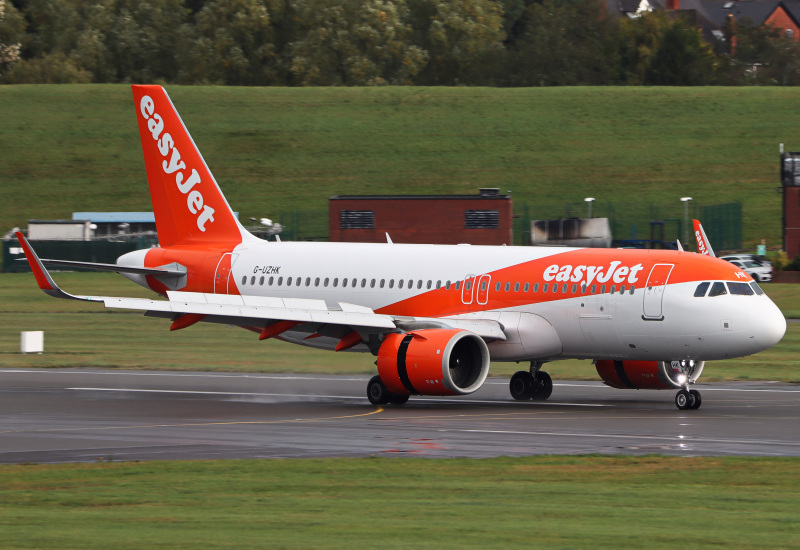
{"x": 688, "y": 399}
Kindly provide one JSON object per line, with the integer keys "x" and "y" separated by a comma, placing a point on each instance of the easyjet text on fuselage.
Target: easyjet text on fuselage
{"x": 613, "y": 272}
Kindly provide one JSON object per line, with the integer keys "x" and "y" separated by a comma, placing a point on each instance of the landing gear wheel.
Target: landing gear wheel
{"x": 684, "y": 400}
{"x": 542, "y": 386}
{"x": 697, "y": 399}
{"x": 397, "y": 399}
{"x": 377, "y": 392}
{"x": 521, "y": 386}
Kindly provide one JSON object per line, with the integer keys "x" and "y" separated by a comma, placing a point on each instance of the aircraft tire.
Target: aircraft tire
{"x": 542, "y": 386}
{"x": 521, "y": 386}
{"x": 377, "y": 392}
{"x": 697, "y": 399}
{"x": 397, "y": 399}
{"x": 684, "y": 400}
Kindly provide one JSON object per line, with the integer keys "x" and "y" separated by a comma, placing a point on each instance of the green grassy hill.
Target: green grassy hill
{"x": 278, "y": 150}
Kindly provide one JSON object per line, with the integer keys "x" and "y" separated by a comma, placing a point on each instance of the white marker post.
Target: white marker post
{"x": 32, "y": 341}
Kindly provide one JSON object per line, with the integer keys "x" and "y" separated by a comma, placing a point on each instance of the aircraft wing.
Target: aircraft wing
{"x": 259, "y": 312}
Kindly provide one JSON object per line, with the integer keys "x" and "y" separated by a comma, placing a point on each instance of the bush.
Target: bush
{"x": 55, "y": 68}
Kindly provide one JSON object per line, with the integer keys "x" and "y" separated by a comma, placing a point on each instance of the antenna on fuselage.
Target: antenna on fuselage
{"x": 680, "y": 246}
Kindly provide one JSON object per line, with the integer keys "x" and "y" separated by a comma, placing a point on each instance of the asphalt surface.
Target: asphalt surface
{"x": 88, "y": 415}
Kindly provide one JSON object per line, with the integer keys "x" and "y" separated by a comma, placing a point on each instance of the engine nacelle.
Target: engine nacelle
{"x": 649, "y": 375}
{"x": 433, "y": 362}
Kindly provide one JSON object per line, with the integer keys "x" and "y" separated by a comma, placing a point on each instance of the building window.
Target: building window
{"x": 357, "y": 219}
{"x": 481, "y": 219}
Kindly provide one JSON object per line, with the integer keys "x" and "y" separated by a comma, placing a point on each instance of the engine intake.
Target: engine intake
{"x": 649, "y": 375}
{"x": 433, "y": 362}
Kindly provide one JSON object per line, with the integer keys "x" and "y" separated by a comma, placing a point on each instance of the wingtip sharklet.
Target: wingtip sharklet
{"x": 43, "y": 278}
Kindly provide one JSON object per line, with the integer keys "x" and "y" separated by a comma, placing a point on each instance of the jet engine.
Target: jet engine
{"x": 649, "y": 375}
{"x": 433, "y": 362}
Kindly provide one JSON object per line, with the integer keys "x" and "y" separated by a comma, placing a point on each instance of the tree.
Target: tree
{"x": 354, "y": 43}
{"x": 12, "y": 29}
{"x": 759, "y": 54}
{"x": 231, "y": 42}
{"x": 462, "y": 38}
{"x": 564, "y": 42}
{"x": 657, "y": 49}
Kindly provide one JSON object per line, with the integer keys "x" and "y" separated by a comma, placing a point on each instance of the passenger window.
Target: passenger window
{"x": 483, "y": 286}
{"x": 718, "y": 289}
{"x": 383, "y": 281}
{"x": 516, "y": 287}
{"x": 430, "y": 284}
{"x": 754, "y": 286}
{"x": 299, "y": 281}
{"x": 438, "y": 285}
{"x": 354, "y": 282}
{"x": 545, "y": 287}
{"x": 253, "y": 280}
{"x": 344, "y": 282}
{"x": 288, "y": 281}
{"x": 603, "y": 289}
{"x": 447, "y": 285}
{"x": 372, "y": 283}
{"x": 326, "y": 281}
{"x": 411, "y": 283}
{"x": 583, "y": 288}
{"x": 594, "y": 289}
{"x": 613, "y": 290}
{"x": 508, "y": 287}
{"x": 574, "y": 289}
{"x": 419, "y": 284}
{"x": 271, "y": 280}
{"x": 244, "y": 280}
{"x": 316, "y": 282}
{"x": 497, "y": 286}
{"x": 308, "y": 281}
{"x": 527, "y": 287}
{"x": 701, "y": 289}
{"x": 391, "y": 283}
{"x": 261, "y": 281}
{"x": 280, "y": 281}
{"x": 633, "y": 288}
{"x": 622, "y": 289}
{"x": 740, "y": 289}
{"x": 536, "y": 287}
{"x": 458, "y": 285}
{"x": 564, "y": 288}
{"x": 364, "y": 283}
{"x": 399, "y": 284}
{"x": 336, "y": 281}
{"x": 555, "y": 288}
{"x": 468, "y": 285}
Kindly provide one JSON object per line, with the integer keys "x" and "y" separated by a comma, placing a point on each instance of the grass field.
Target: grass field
{"x": 79, "y": 334}
{"x": 273, "y": 150}
{"x": 537, "y": 502}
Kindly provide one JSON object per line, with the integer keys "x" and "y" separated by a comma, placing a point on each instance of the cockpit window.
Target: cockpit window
{"x": 701, "y": 289}
{"x": 717, "y": 289}
{"x": 740, "y": 289}
{"x": 754, "y": 286}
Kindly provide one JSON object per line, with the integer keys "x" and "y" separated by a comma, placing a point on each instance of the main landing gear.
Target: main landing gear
{"x": 379, "y": 395}
{"x": 535, "y": 385}
{"x": 688, "y": 399}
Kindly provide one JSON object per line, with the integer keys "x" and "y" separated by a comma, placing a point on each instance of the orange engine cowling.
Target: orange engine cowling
{"x": 648, "y": 375}
{"x": 433, "y": 362}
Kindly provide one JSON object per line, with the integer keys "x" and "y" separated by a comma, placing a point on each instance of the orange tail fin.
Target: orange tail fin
{"x": 188, "y": 204}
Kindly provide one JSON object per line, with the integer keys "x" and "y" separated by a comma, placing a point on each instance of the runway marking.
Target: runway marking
{"x": 324, "y": 396}
{"x": 678, "y": 438}
{"x": 191, "y": 424}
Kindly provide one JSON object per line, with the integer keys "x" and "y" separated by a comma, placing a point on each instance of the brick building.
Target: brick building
{"x": 790, "y": 180}
{"x": 484, "y": 218}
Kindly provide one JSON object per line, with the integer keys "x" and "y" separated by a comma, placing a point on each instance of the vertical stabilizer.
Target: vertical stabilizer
{"x": 703, "y": 246}
{"x": 188, "y": 204}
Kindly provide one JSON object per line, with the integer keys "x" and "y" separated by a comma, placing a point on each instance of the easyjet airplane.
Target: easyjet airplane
{"x": 433, "y": 315}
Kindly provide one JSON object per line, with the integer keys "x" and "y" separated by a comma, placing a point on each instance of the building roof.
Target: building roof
{"x": 116, "y": 217}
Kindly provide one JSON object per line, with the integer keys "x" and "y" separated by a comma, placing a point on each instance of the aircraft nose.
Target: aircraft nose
{"x": 769, "y": 325}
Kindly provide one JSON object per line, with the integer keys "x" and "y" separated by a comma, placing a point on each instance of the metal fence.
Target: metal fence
{"x": 722, "y": 222}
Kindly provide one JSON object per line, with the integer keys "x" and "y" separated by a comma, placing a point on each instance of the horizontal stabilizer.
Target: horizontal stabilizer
{"x": 113, "y": 268}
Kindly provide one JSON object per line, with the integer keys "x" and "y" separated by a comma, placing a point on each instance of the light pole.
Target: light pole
{"x": 685, "y": 201}
{"x": 589, "y": 201}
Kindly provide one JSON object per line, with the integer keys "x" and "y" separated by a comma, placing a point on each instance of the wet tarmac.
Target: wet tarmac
{"x": 84, "y": 415}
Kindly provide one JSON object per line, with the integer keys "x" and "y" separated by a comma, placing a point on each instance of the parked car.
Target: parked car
{"x": 761, "y": 273}
{"x": 747, "y": 258}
